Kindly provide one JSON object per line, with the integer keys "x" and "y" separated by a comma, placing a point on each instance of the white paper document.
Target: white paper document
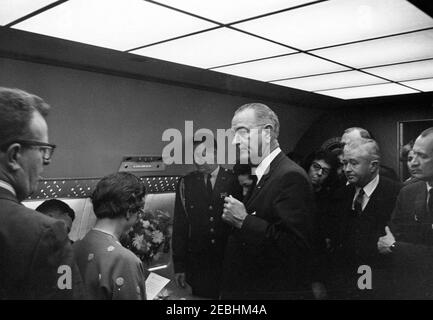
{"x": 154, "y": 284}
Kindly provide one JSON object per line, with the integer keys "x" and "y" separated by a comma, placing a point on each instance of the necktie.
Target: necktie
{"x": 209, "y": 185}
{"x": 251, "y": 188}
{"x": 358, "y": 201}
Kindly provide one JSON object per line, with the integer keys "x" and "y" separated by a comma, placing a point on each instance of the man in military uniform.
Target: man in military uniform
{"x": 199, "y": 235}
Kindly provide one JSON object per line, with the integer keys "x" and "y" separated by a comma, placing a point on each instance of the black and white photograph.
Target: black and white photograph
{"x": 213, "y": 156}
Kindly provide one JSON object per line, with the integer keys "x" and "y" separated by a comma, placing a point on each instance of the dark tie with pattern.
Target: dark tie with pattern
{"x": 209, "y": 185}
{"x": 358, "y": 201}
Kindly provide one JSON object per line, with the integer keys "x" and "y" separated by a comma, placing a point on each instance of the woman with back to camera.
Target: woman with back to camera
{"x": 110, "y": 271}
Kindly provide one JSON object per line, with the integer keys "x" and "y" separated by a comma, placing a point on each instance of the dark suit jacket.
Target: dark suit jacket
{"x": 413, "y": 253}
{"x": 32, "y": 248}
{"x": 358, "y": 234}
{"x": 199, "y": 234}
{"x": 269, "y": 256}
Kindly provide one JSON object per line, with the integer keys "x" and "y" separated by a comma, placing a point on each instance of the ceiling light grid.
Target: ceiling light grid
{"x": 310, "y": 45}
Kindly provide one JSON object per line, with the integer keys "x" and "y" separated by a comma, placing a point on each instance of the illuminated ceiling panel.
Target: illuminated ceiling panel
{"x": 12, "y": 10}
{"x": 114, "y": 24}
{"x": 213, "y": 48}
{"x": 226, "y": 11}
{"x": 338, "y": 21}
{"x": 155, "y": 30}
{"x": 423, "y": 85}
{"x": 388, "y": 89}
{"x": 295, "y": 65}
{"x": 405, "y": 71}
{"x": 331, "y": 81}
{"x": 408, "y": 47}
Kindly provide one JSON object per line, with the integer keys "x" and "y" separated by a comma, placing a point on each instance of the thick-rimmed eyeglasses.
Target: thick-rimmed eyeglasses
{"x": 47, "y": 149}
{"x": 318, "y": 167}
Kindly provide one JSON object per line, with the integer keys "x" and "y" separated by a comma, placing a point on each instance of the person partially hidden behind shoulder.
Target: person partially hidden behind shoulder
{"x": 110, "y": 271}
{"x": 36, "y": 258}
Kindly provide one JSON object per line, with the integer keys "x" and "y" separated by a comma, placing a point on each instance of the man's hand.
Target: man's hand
{"x": 234, "y": 212}
{"x": 180, "y": 279}
{"x": 384, "y": 244}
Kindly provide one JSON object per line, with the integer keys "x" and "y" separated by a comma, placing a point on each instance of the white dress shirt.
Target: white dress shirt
{"x": 262, "y": 168}
{"x": 368, "y": 191}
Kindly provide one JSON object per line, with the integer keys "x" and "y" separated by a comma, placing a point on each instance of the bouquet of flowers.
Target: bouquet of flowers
{"x": 149, "y": 237}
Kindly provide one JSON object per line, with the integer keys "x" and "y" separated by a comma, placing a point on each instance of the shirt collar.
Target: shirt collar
{"x": 7, "y": 186}
{"x": 371, "y": 186}
{"x": 428, "y": 186}
{"x": 106, "y": 232}
{"x": 266, "y": 162}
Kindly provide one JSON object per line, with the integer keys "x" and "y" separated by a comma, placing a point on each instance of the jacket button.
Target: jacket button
{"x": 212, "y": 241}
{"x": 210, "y": 207}
{"x": 211, "y": 219}
{"x": 212, "y": 230}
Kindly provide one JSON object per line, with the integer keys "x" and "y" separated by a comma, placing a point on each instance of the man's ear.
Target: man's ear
{"x": 267, "y": 130}
{"x": 13, "y": 155}
{"x": 375, "y": 164}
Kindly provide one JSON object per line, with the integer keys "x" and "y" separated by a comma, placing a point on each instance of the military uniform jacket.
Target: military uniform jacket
{"x": 109, "y": 271}
{"x": 199, "y": 234}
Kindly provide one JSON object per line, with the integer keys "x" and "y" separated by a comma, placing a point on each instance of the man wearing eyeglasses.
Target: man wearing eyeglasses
{"x": 36, "y": 260}
{"x": 268, "y": 251}
{"x": 362, "y": 209}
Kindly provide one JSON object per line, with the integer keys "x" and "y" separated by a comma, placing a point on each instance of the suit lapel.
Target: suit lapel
{"x": 420, "y": 206}
{"x": 259, "y": 186}
{"x": 375, "y": 198}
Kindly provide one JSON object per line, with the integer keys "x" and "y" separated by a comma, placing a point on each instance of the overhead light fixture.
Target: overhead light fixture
{"x": 113, "y": 24}
{"x": 423, "y": 85}
{"x": 402, "y": 48}
{"x": 338, "y": 21}
{"x": 227, "y": 11}
{"x": 405, "y": 71}
{"x": 387, "y": 89}
{"x": 331, "y": 81}
{"x": 213, "y": 48}
{"x": 12, "y": 10}
{"x": 294, "y": 65}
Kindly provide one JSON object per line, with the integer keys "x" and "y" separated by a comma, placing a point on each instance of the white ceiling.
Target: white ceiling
{"x": 345, "y": 49}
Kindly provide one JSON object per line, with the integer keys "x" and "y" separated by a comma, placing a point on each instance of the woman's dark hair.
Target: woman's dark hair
{"x": 330, "y": 158}
{"x": 117, "y": 194}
